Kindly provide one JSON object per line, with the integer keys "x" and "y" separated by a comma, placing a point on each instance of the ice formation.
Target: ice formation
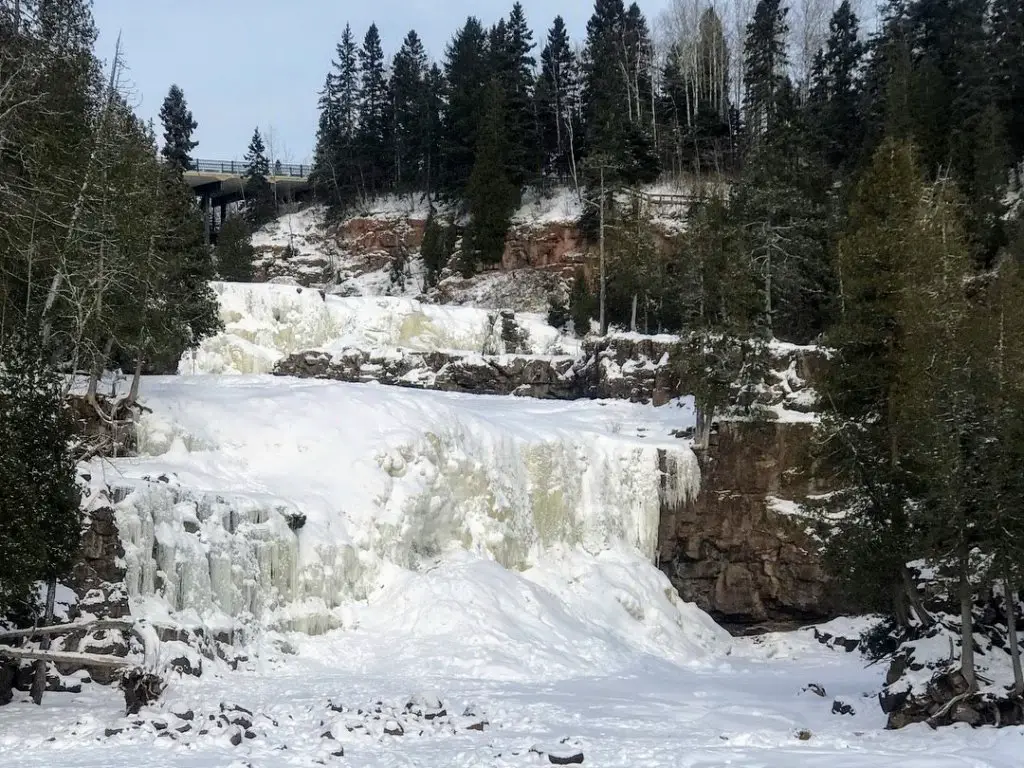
{"x": 265, "y": 322}
{"x": 261, "y": 502}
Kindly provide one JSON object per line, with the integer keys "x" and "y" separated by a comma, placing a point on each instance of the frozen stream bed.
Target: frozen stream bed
{"x": 743, "y": 705}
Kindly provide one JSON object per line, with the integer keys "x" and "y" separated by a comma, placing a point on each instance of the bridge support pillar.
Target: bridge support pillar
{"x": 207, "y": 215}
{"x": 223, "y": 213}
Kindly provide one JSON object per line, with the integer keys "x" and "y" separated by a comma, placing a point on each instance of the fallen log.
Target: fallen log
{"x": 65, "y": 629}
{"x": 66, "y": 657}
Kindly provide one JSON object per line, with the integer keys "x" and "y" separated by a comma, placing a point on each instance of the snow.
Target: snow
{"x": 746, "y": 707}
{"x": 389, "y": 480}
{"x": 265, "y": 322}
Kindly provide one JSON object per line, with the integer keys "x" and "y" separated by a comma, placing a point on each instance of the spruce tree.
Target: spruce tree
{"x": 335, "y": 170}
{"x": 835, "y": 97}
{"x": 260, "y": 205}
{"x": 234, "y": 253}
{"x": 491, "y": 196}
{"x": 178, "y": 127}
{"x": 466, "y": 77}
{"x": 866, "y": 436}
{"x": 557, "y": 102}
{"x": 410, "y": 105}
{"x": 435, "y": 250}
{"x": 606, "y": 99}
{"x": 40, "y": 526}
{"x": 373, "y": 134}
{"x": 765, "y": 65}
{"x": 524, "y": 158}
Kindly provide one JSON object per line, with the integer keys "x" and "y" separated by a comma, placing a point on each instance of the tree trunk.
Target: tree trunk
{"x": 914, "y": 598}
{"x": 1010, "y": 589}
{"x": 966, "y": 620}
{"x": 604, "y": 327}
{"x": 39, "y": 679}
{"x": 632, "y": 320}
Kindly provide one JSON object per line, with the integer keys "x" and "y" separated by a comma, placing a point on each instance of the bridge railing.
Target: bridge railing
{"x": 239, "y": 168}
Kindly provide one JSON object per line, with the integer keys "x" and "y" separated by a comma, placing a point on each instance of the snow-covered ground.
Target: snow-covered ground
{"x": 264, "y": 322}
{"x": 746, "y": 706}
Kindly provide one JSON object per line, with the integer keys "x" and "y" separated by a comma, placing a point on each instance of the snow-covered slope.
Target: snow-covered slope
{"x": 406, "y": 499}
{"x": 264, "y": 322}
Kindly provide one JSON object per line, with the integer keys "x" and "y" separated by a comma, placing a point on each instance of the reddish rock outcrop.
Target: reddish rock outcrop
{"x": 735, "y": 551}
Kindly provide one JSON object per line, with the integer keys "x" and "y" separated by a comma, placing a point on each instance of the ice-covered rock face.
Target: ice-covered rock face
{"x": 377, "y": 482}
{"x": 264, "y": 322}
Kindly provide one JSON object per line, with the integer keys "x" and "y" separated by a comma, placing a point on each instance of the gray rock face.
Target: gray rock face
{"x": 445, "y": 371}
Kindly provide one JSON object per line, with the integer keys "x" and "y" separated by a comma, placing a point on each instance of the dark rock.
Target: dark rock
{"x": 249, "y": 734}
{"x": 140, "y": 688}
{"x": 842, "y": 708}
{"x": 477, "y": 726}
{"x": 8, "y": 675}
{"x": 327, "y": 735}
{"x": 566, "y": 758}
{"x": 184, "y": 666}
{"x": 339, "y": 752}
{"x": 892, "y": 701}
{"x": 185, "y": 728}
{"x": 804, "y": 735}
{"x": 112, "y": 732}
{"x": 241, "y": 721}
{"x": 188, "y": 714}
{"x": 394, "y": 729}
{"x": 295, "y": 520}
{"x": 816, "y": 689}
{"x": 236, "y": 738}
{"x": 159, "y": 725}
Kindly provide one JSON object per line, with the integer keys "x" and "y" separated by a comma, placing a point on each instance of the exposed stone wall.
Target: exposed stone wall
{"x": 732, "y": 550}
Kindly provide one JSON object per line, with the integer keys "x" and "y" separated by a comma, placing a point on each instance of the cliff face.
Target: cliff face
{"x": 737, "y": 549}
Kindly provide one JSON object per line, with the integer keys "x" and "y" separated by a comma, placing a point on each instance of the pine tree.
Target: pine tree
{"x": 582, "y": 305}
{"x": 373, "y": 134}
{"x": 835, "y": 99}
{"x": 335, "y": 167}
{"x": 524, "y": 158}
{"x": 435, "y": 250}
{"x": 866, "y": 434}
{"x": 178, "y": 126}
{"x": 605, "y": 96}
{"x": 260, "y": 205}
{"x": 765, "y": 64}
{"x": 557, "y": 99}
{"x": 491, "y": 197}
{"x": 234, "y": 253}
{"x": 41, "y": 523}
{"x": 466, "y": 77}
{"x": 409, "y": 96}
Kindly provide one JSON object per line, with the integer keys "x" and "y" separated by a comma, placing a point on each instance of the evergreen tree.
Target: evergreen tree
{"x": 436, "y": 250}
{"x": 178, "y": 126}
{"x": 524, "y": 158}
{"x": 606, "y": 99}
{"x": 765, "y": 64}
{"x": 867, "y": 434}
{"x": 557, "y": 100}
{"x": 335, "y": 167}
{"x": 41, "y": 524}
{"x": 410, "y": 109}
{"x": 491, "y": 197}
{"x": 373, "y": 134}
{"x": 466, "y": 77}
{"x": 260, "y": 205}
{"x": 582, "y": 304}
{"x": 1006, "y": 45}
{"x": 234, "y": 253}
{"x": 835, "y": 99}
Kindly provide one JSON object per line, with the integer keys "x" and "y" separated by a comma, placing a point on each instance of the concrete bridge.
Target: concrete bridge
{"x": 218, "y": 183}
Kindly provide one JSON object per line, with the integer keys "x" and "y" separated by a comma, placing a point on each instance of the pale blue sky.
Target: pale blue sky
{"x": 244, "y": 63}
